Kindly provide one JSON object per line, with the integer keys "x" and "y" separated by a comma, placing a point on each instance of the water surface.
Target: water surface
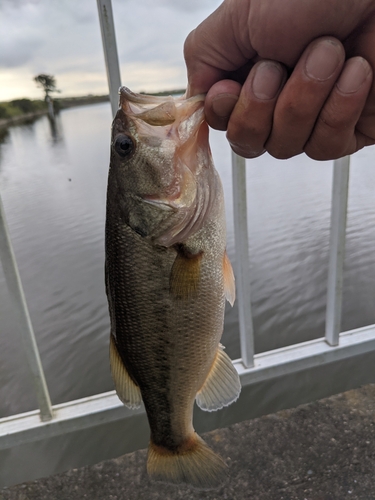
{"x": 53, "y": 186}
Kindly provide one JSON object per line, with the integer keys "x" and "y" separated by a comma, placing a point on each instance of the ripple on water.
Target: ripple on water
{"x": 54, "y": 186}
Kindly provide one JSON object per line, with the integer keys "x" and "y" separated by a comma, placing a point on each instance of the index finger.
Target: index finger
{"x": 211, "y": 51}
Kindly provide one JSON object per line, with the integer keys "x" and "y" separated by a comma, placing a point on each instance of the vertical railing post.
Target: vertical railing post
{"x": 13, "y": 280}
{"x": 242, "y": 260}
{"x": 107, "y": 29}
{"x": 337, "y": 249}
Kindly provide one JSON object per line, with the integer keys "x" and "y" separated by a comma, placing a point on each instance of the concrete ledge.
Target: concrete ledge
{"x": 320, "y": 451}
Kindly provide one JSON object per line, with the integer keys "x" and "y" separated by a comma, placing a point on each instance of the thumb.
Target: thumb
{"x": 214, "y": 48}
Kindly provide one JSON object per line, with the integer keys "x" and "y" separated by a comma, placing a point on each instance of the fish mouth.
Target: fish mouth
{"x": 160, "y": 110}
{"x": 144, "y": 99}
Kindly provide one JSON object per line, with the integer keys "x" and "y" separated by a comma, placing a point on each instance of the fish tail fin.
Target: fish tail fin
{"x": 193, "y": 463}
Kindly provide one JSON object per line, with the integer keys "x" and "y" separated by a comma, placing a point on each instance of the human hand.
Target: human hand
{"x": 326, "y": 107}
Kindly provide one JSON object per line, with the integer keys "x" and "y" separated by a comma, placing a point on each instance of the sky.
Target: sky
{"x": 62, "y": 38}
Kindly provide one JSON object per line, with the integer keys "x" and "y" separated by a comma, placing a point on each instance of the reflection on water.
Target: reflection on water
{"x": 53, "y": 184}
{"x": 4, "y": 133}
{"x": 55, "y": 127}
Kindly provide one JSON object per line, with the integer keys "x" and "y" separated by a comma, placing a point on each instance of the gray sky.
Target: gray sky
{"x": 62, "y": 38}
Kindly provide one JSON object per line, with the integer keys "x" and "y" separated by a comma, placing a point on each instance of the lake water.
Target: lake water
{"x": 53, "y": 186}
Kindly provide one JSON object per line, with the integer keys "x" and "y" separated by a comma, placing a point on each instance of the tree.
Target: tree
{"x": 48, "y": 84}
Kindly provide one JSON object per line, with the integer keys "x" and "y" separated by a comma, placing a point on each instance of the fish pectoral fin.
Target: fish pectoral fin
{"x": 229, "y": 283}
{"x": 127, "y": 391}
{"x": 222, "y": 386}
{"x": 185, "y": 274}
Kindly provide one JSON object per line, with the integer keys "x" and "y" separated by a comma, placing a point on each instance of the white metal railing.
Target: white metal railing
{"x": 107, "y": 29}
{"x": 14, "y": 284}
{"x": 53, "y": 420}
{"x": 242, "y": 260}
{"x": 340, "y": 185}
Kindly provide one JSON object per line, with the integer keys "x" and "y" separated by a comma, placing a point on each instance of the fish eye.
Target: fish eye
{"x": 123, "y": 145}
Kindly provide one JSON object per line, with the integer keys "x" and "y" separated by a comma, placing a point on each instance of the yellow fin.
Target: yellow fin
{"x": 126, "y": 389}
{"x": 222, "y": 386}
{"x": 193, "y": 463}
{"x": 185, "y": 274}
{"x": 229, "y": 284}
{"x": 164, "y": 114}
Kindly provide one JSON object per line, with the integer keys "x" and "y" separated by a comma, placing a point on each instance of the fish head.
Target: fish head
{"x": 161, "y": 165}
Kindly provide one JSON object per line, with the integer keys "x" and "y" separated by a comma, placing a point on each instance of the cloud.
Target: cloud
{"x": 62, "y": 37}
{"x": 19, "y": 39}
{"x": 191, "y": 6}
{"x": 152, "y": 77}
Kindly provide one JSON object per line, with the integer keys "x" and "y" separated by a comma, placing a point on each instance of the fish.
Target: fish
{"x": 167, "y": 277}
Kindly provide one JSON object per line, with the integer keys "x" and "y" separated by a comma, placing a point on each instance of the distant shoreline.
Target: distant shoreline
{"x": 17, "y": 120}
{"x": 18, "y": 117}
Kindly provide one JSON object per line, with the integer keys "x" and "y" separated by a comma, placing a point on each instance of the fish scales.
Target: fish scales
{"x": 163, "y": 327}
{"x": 166, "y": 278}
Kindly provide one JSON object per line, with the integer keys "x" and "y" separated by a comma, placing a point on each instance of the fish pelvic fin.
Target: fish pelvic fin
{"x": 127, "y": 391}
{"x": 222, "y": 385}
{"x": 185, "y": 274}
{"x": 229, "y": 283}
{"x": 193, "y": 463}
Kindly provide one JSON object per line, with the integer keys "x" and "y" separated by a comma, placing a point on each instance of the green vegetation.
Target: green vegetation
{"x": 14, "y": 111}
{"x": 69, "y": 102}
{"x": 19, "y": 107}
{"x": 166, "y": 92}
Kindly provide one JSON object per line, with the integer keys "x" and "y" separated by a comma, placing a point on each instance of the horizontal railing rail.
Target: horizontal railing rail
{"x": 104, "y": 408}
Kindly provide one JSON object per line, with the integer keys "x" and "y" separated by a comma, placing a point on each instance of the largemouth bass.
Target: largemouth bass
{"x": 167, "y": 276}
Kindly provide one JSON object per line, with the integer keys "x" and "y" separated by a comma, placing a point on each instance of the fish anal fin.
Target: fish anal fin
{"x": 229, "y": 282}
{"x": 193, "y": 463}
{"x": 222, "y": 385}
{"x": 185, "y": 274}
{"x": 127, "y": 391}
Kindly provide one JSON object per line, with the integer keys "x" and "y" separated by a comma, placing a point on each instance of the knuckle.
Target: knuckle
{"x": 242, "y": 130}
{"x": 331, "y": 137}
{"x": 330, "y": 122}
{"x": 246, "y": 149}
{"x": 338, "y": 114}
{"x": 322, "y": 150}
{"x": 246, "y": 153}
{"x": 282, "y": 151}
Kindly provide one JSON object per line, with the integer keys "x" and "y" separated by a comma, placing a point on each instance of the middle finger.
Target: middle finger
{"x": 303, "y": 96}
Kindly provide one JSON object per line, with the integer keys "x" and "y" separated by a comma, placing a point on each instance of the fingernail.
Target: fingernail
{"x": 323, "y": 60}
{"x": 267, "y": 80}
{"x": 223, "y": 104}
{"x": 355, "y": 73}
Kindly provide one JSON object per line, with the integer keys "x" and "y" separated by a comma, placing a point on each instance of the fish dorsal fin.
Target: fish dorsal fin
{"x": 229, "y": 284}
{"x": 126, "y": 389}
{"x": 222, "y": 386}
{"x": 185, "y": 274}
